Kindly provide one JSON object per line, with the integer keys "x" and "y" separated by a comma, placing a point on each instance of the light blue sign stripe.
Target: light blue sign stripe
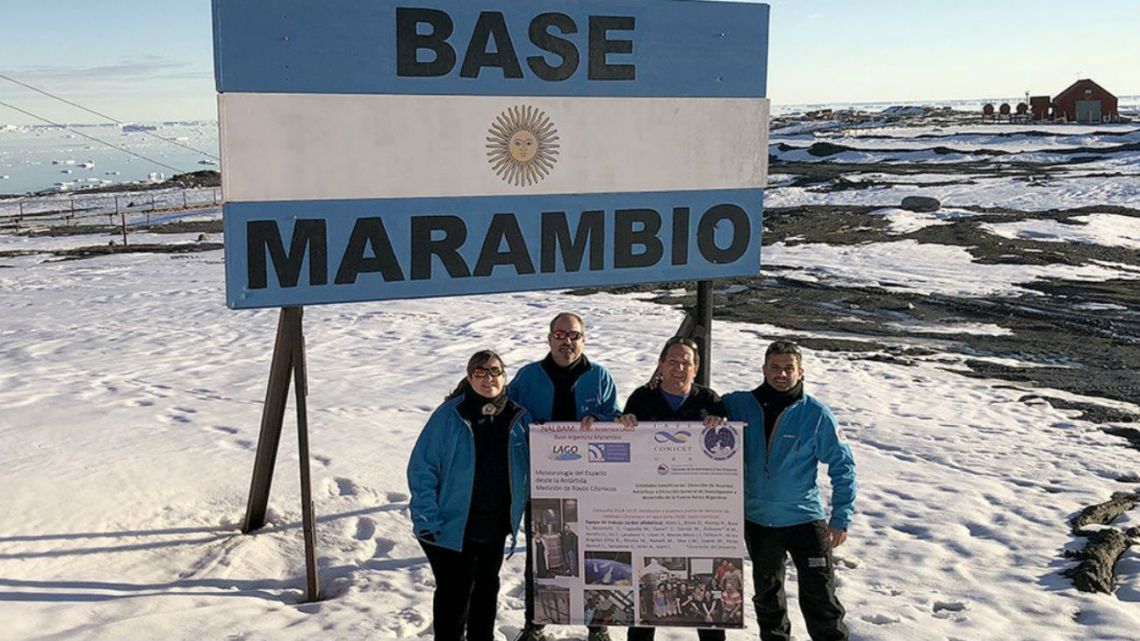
{"x": 679, "y": 48}
{"x": 300, "y": 250}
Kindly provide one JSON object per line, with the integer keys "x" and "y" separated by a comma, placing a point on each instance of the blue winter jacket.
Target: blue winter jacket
{"x": 780, "y": 486}
{"x": 441, "y": 472}
{"x": 594, "y": 393}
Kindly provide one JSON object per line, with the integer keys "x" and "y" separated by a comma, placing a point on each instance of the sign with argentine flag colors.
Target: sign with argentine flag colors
{"x": 380, "y": 150}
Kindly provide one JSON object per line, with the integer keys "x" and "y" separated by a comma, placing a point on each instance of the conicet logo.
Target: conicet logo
{"x": 672, "y": 437}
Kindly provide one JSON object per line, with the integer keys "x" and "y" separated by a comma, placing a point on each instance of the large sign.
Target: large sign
{"x": 638, "y": 527}
{"x": 376, "y": 150}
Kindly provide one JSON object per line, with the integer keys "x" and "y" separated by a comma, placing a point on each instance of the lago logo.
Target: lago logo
{"x": 564, "y": 453}
{"x": 672, "y": 437}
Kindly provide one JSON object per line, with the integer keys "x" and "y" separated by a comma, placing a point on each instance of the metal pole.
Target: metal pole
{"x": 703, "y": 330}
{"x": 308, "y": 517}
{"x": 272, "y": 417}
{"x": 123, "y": 225}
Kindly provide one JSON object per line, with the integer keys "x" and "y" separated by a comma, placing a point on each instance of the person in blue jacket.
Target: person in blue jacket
{"x": 788, "y": 434}
{"x": 563, "y": 386}
{"x": 469, "y": 476}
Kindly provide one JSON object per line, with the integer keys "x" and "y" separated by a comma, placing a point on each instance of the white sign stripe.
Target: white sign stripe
{"x": 324, "y": 146}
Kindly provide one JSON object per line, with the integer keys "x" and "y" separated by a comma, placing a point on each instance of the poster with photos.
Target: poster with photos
{"x": 640, "y": 526}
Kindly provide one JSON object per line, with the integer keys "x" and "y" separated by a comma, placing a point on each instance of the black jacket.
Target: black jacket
{"x": 650, "y": 405}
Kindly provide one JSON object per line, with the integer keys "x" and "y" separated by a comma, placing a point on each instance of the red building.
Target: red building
{"x": 1041, "y": 106}
{"x": 1085, "y": 101}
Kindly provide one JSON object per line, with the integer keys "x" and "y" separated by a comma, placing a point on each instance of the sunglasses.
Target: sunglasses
{"x": 560, "y": 335}
{"x": 487, "y": 372}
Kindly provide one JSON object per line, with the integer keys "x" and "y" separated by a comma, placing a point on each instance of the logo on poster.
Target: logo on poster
{"x": 678, "y": 437}
{"x": 720, "y": 443}
{"x": 608, "y": 452}
{"x": 564, "y": 453}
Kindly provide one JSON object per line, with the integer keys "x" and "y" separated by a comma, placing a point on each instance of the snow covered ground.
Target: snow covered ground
{"x": 968, "y": 164}
{"x": 131, "y": 402}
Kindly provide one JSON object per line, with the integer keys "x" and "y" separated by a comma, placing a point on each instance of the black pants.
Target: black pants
{"x": 769, "y": 547}
{"x": 466, "y": 589}
{"x": 646, "y": 634}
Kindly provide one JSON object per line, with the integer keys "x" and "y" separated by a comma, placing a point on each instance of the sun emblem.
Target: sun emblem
{"x": 522, "y": 147}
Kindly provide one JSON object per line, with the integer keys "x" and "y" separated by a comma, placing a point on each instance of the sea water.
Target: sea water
{"x": 35, "y": 158}
{"x": 42, "y": 157}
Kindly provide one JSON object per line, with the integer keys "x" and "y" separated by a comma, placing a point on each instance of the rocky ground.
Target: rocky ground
{"x": 1075, "y": 336}
{"x": 1093, "y": 352}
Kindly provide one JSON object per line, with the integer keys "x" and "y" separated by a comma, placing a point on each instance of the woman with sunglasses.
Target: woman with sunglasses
{"x": 469, "y": 479}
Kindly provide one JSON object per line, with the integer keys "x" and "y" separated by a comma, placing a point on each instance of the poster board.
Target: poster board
{"x": 640, "y": 526}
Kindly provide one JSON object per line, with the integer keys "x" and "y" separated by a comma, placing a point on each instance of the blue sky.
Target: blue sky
{"x": 152, "y": 59}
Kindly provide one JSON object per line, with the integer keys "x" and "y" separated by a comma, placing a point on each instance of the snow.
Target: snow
{"x": 910, "y": 266}
{"x": 132, "y": 400}
{"x": 905, "y": 222}
{"x": 131, "y": 406}
{"x": 1111, "y": 230}
{"x": 1077, "y": 191}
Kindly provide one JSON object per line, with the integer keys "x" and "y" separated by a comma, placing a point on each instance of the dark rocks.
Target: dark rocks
{"x": 921, "y": 204}
{"x": 825, "y": 149}
{"x": 1105, "y": 513}
{"x": 1131, "y": 434}
{"x": 1094, "y": 572}
{"x": 1093, "y": 413}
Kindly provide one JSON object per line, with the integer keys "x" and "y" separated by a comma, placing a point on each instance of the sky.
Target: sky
{"x": 139, "y": 60}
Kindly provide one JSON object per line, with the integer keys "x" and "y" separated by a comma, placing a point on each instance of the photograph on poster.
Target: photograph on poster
{"x": 691, "y": 591}
{"x": 609, "y": 568}
{"x": 608, "y": 607}
{"x": 552, "y": 604}
{"x": 555, "y": 540}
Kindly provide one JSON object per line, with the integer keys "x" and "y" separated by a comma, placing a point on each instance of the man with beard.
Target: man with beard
{"x": 564, "y": 386}
{"x": 788, "y": 434}
{"x": 675, "y": 397}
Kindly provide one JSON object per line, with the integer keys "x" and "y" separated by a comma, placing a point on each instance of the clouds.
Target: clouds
{"x": 133, "y": 69}
{"x": 139, "y": 87}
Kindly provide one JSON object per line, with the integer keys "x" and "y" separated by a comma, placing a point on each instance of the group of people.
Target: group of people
{"x": 565, "y": 563}
{"x": 469, "y": 477}
{"x": 668, "y": 599}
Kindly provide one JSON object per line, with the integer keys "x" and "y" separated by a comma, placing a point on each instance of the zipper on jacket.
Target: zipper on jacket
{"x": 510, "y": 479}
{"x": 467, "y": 515}
{"x": 772, "y": 438}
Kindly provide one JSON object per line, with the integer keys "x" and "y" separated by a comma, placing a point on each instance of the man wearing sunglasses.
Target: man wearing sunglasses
{"x": 564, "y": 386}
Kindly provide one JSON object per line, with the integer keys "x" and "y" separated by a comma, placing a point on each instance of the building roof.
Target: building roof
{"x": 1080, "y": 84}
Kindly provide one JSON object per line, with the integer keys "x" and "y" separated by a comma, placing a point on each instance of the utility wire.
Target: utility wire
{"x": 98, "y": 140}
{"x": 101, "y": 115}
